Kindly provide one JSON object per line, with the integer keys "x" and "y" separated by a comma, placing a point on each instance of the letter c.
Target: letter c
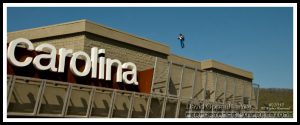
{"x": 11, "y": 52}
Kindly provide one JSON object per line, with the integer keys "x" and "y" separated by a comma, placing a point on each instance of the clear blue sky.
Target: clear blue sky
{"x": 256, "y": 39}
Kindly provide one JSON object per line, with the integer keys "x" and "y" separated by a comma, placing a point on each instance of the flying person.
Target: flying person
{"x": 181, "y": 38}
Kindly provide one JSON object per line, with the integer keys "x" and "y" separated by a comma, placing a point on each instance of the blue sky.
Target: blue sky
{"x": 259, "y": 40}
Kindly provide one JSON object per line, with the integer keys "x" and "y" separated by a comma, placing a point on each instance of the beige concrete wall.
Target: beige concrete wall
{"x": 73, "y": 41}
{"x": 220, "y": 88}
{"x": 122, "y": 105}
{"x": 101, "y": 103}
{"x": 210, "y": 86}
{"x": 139, "y": 106}
{"x": 144, "y": 59}
{"x": 239, "y": 92}
{"x": 199, "y": 85}
{"x": 187, "y": 83}
{"x": 53, "y": 99}
{"x": 208, "y": 64}
{"x": 170, "y": 110}
{"x": 229, "y": 90}
{"x": 175, "y": 80}
{"x": 156, "y": 107}
{"x": 24, "y": 95}
{"x": 125, "y": 37}
{"x": 161, "y": 76}
{"x": 79, "y": 101}
{"x": 248, "y": 87}
{"x": 236, "y": 89}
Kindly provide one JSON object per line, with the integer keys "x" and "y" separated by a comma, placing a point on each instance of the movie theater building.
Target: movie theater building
{"x": 109, "y": 73}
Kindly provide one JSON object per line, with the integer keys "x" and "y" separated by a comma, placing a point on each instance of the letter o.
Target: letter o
{"x": 87, "y": 67}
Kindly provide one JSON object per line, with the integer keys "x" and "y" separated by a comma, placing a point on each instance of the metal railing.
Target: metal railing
{"x": 48, "y": 98}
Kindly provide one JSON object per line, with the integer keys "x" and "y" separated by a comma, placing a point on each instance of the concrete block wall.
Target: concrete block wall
{"x": 79, "y": 100}
{"x": 121, "y": 51}
{"x": 210, "y": 86}
{"x": 156, "y": 107}
{"x": 144, "y": 59}
{"x": 101, "y": 103}
{"x": 248, "y": 88}
{"x": 139, "y": 106}
{"x": 187, "y": 82}
{"x": 73, "y": 41}
{"x": 254, "y": 95}
{"x": 52, "y": 99}
{"x": 121, "y": 105}
{"x": 170, "y": 110}
{"x": 239, "y": 92}
{"x": 24, "y": 95}
{"x": 220, "y": 88}
{"x": 161, "y": 76}
{"x": 175, "y": 79}
{"x": 230, "y": 90}
{"x": 114, "y": 49}
{"x": 236, "y": 89}
{"x": 199, "y": 85}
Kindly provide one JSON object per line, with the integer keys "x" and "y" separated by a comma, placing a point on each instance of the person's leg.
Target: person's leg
{"x": 182, "y": 44}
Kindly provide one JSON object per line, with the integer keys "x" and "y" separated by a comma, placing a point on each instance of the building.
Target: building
{"x": 169, "y": 86}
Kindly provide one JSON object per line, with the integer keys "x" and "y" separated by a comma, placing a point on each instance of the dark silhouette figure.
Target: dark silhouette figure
{"x": 181, "y": 38}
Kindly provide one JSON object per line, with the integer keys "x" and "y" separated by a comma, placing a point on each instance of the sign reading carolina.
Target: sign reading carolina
{"x": 97, "y": 59}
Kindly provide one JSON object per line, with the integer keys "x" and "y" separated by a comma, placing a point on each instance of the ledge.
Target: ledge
{"x": 208, "y": 64}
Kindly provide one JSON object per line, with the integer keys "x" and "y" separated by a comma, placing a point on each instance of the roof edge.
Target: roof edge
{"x": 210, "y": 63}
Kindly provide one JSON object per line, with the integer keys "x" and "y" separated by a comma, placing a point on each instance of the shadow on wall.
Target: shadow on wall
{"x": 102, "y": 112}
{"x": 121, "y": 113}
{"x": 21, "y": 105}
{"x": 52, "y": 108}
{"x": 172, "y": 88}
